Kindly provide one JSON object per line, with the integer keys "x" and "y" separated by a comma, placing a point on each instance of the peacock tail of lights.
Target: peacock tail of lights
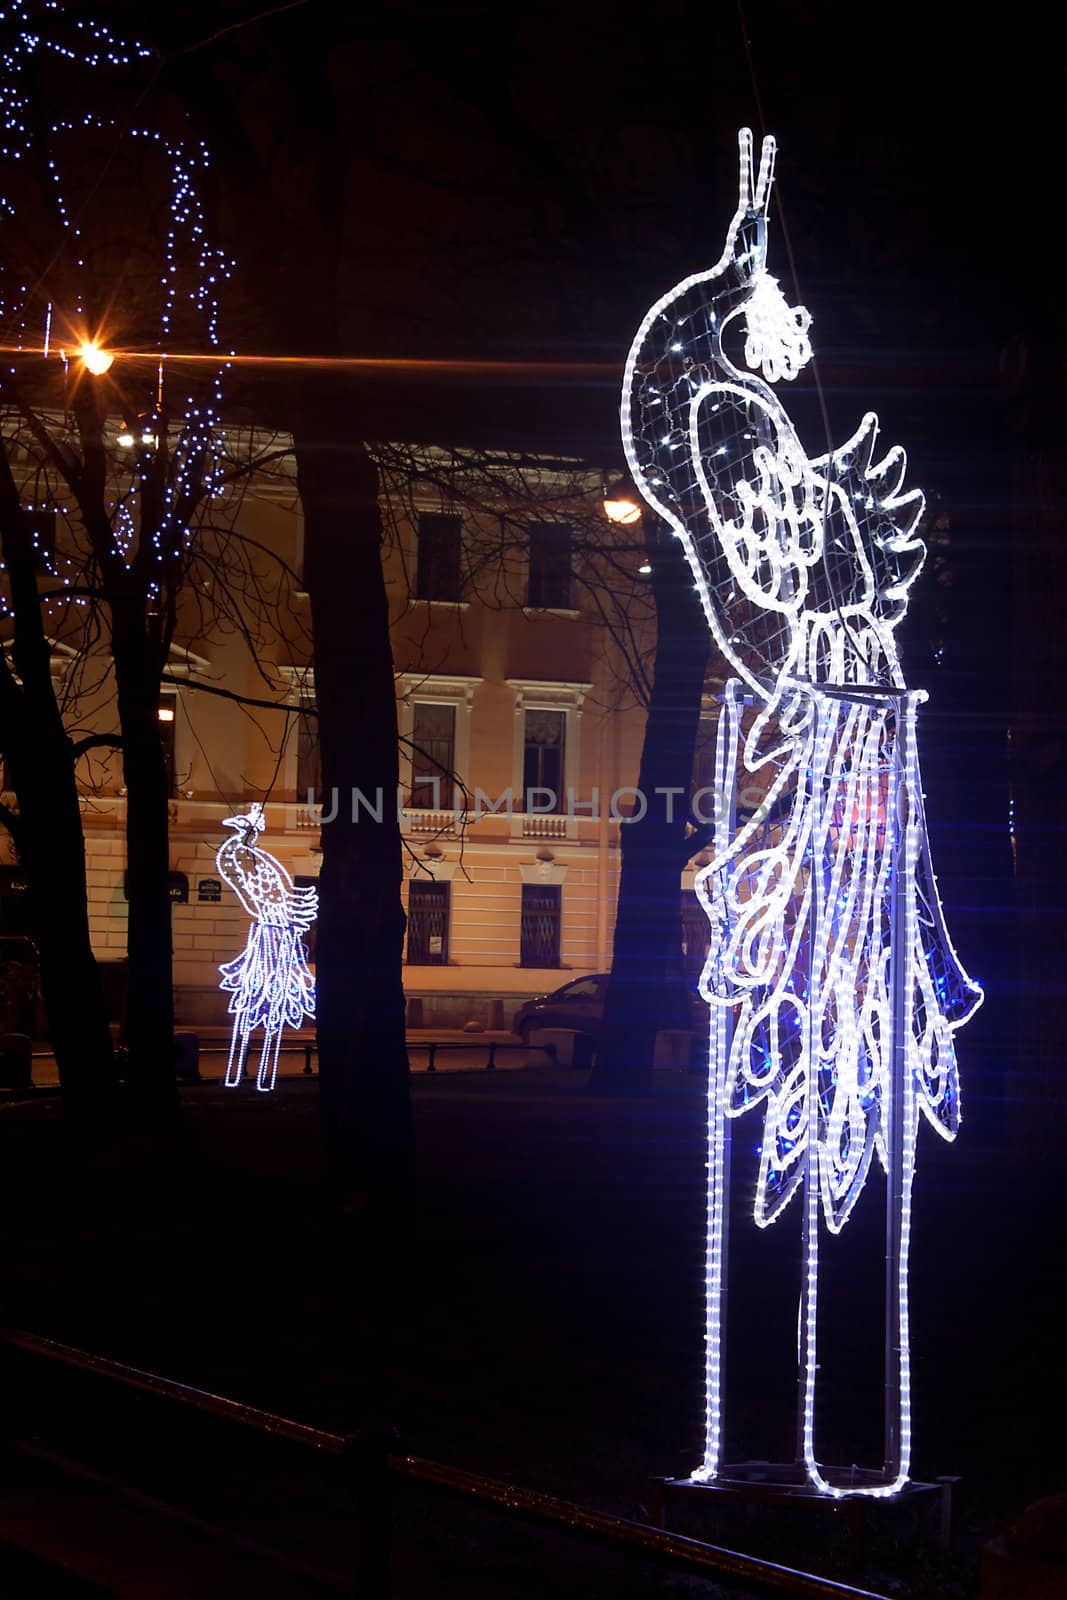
{"x": 834, "y": 988}
{"x": 270, "y": 984}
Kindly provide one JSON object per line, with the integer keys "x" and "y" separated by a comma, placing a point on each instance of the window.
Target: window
{"x": 547, "y": 756}
{"x": 303, "y": 761}
{"x": 167, "y": 706}
{"x": 550, "y": 565}
{"x": 433, "y": 754}
{"x": 435, "y": 727}
{"x": 583, "y": 989}
{"x": 428, "y": 908}
{"x": 542, "y": 760}
{"x": 308, "y": 753}
{"x": 541, "y": 904}
{"x": 437, "y": 569}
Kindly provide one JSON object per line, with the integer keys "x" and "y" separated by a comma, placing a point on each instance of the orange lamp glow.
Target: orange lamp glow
{"x": 94, "y": 359}
{"x": 621, "y": 510}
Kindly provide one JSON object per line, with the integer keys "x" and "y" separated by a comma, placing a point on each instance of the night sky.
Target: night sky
{"x": 520, "y": 182}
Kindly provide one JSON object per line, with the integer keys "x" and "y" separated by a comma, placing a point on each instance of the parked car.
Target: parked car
{"x": 580, "y": 1005}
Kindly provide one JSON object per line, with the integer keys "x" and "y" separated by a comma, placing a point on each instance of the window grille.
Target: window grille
{"x": 433, "y": 754}
{"x": 428, "y": 918}
{"x": 541, "y": 920}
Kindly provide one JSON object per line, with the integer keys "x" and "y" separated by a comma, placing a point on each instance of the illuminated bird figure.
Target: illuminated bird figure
{"x": 834, "y": 988}
{"x": 270, "y": 984}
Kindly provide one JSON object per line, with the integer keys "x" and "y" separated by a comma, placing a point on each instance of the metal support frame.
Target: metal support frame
{"x": 796, "y": 1481}
{"x": 898, "y": 1190}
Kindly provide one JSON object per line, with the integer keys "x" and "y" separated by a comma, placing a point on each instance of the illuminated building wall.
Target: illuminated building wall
{"x": 520, "y": 696}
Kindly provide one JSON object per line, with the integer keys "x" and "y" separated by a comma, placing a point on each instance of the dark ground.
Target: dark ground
{"x": 544, "y": 1321}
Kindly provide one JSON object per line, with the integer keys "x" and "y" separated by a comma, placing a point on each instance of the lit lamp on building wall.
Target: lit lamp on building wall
{"x": 621, "y": 504}
{"x": 623, "y": 507}
{"x": 95, "y": 360}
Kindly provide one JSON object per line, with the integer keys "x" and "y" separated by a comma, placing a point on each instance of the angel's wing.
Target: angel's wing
{"x": 726, "y": 469}
{"x": 762, "y": 529}
{"x": 873, "y": 554}
{"x": 774, "y": 538}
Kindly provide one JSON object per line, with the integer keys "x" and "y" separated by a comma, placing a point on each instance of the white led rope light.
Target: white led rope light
{"x": 726, "y": 746}
{"x": 833, "y": 986}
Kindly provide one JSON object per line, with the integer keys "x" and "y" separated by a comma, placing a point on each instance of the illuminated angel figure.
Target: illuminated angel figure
{"x": 834, "y": 988}
{"x": 270, "y": 984}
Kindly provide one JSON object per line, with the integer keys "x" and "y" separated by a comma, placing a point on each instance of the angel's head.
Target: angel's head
{"x": 249, "y": 825}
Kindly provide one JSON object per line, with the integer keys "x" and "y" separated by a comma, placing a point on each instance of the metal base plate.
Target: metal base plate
{"x": 772, "y": 1482}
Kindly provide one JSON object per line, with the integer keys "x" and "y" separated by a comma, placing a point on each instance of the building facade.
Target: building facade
{"x": 518, "y": 699}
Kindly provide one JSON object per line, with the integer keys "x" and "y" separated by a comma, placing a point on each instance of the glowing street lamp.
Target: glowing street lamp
{"x": 621, "y": 504}
{"x": 95, "y": 360}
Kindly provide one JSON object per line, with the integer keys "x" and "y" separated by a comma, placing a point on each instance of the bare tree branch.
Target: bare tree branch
{"x": 97, "y": 741}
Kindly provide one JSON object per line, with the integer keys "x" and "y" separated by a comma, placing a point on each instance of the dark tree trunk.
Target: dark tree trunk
{"x": 647, "y": 987}
{"x": 52, "y": 854}
{"x": 48, "y": 833}
{"x": 150, "y": 1002}
{"x": 363, "y": 1065}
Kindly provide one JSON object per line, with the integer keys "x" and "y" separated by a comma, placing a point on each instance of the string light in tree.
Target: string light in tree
{"x": 834, "y": 988}
{"x": 179, "y": 292}
{"x": 270, "y": 984}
